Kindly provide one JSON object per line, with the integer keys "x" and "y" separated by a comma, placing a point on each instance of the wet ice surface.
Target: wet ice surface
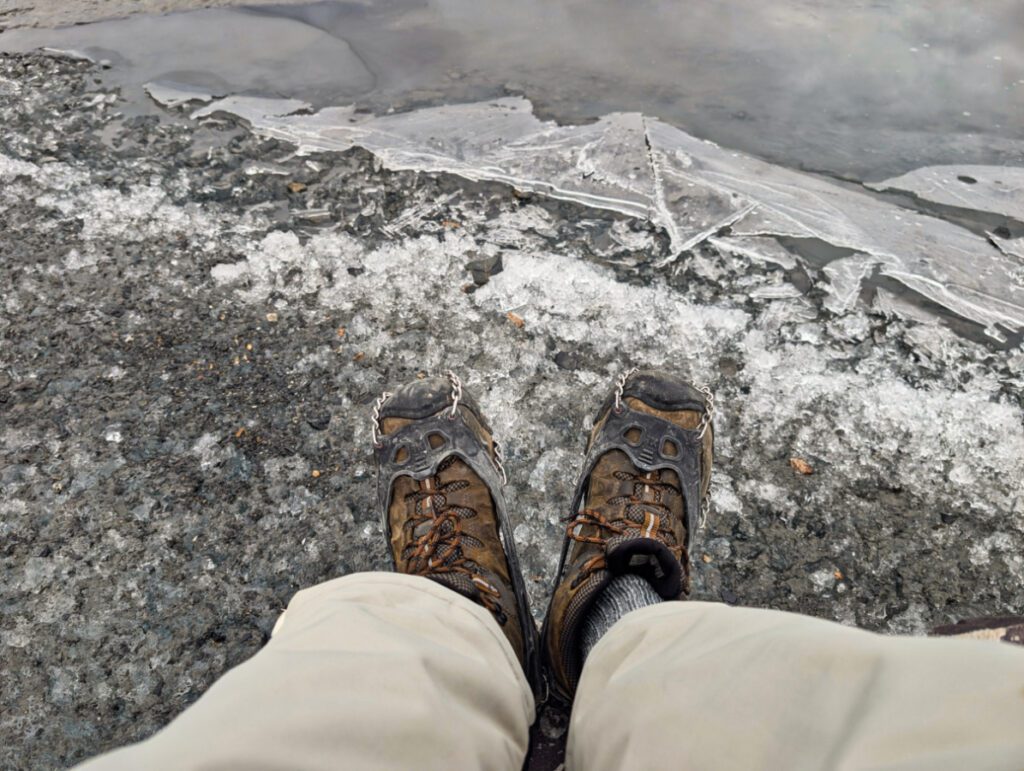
{"x": 849, "y": 88}
{"x": 183, "y": 345}
{"x": 693, "y": 189}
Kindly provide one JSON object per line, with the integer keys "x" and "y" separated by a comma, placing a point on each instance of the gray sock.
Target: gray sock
{"x": 623, "y": 594}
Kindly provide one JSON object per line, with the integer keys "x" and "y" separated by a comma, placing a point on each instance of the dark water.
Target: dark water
{"x": 860, "y": 89}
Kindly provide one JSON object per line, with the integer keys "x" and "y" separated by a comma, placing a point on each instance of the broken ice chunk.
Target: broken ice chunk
{"x": 269, "y": 107}
{"x": 995, "y": 189}
{"x": 845, "y": 278}
{"x": 775, "y": 292}
{"x": 756, "y": 248}
{"x": 892, "y": 304}
{"x": 171, "y": 94}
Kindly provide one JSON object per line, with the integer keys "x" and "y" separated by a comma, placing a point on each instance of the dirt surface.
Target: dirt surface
{"x": 25, "y": 13}
{"x": 195, "y": 323}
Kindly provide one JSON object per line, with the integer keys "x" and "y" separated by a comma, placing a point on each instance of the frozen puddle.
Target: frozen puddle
{"x": 693, "y": 189}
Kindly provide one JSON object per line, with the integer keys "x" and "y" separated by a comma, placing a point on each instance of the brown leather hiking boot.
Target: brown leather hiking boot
{"x": 640, "y": 495}
{"x": 439, "y": 480}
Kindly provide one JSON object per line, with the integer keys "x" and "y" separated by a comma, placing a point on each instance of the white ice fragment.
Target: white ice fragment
{"x": 845, "y": 278}
{"x": 171, "y": 94}
{"x": 757, "y": 248}
{"x": 823, "y": 579}
{"x": 15, "y": 167}
{"x": 852, "y": 327}
{"x": 775, "y": 292}
{"x": 995, "y": 189}
{"x": 724, "y": 498}
{"x": 226, "y": 272}
{"x": 68, "y": 53}
{"x": 252, "y": 168}
{"x": 240, "y": 105}
{"x": 978, "y": 555}
{"x": 611, "y": 314}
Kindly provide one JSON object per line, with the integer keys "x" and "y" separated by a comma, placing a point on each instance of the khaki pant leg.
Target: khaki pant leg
{"x": 374, "y": 670}
{"x": 704, "y": 686}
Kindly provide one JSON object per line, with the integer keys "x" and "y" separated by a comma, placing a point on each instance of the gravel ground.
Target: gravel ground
{"x": 195, "y": 322}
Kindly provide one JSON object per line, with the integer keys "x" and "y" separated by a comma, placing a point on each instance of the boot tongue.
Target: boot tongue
{"x": 648, "y": 558}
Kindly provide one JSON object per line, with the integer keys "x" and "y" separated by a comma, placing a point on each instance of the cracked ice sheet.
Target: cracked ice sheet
{"x": 995, "y": 189}
{"x": 692, "y": 188}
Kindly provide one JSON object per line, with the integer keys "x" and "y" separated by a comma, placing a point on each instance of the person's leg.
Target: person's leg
{"x": 374, "y": 670}
{"x": 701, "y": 685}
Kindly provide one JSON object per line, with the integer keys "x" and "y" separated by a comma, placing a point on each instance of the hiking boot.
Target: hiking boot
{"x": 439, "y": 480}
{"x": 640, "y": 495}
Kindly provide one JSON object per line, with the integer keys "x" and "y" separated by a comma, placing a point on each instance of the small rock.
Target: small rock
{"x": 272, "y": 317}
{"x": 801, "y": 466}
{"x": 318, "y": 421}
{"x": 568, "y": 360}
{"x": 485, "y": 267}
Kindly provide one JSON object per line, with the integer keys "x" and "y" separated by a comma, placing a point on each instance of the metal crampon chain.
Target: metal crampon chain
{"x": 705, "y": 424}
{"x": 456, "y": 392}
{"x": 499, "y": 460}
{"x": 456, "y": 398}
{"x": 375, "y": 425}
{"x": 620, "y": 386}
{"x": 709, "y": 411}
